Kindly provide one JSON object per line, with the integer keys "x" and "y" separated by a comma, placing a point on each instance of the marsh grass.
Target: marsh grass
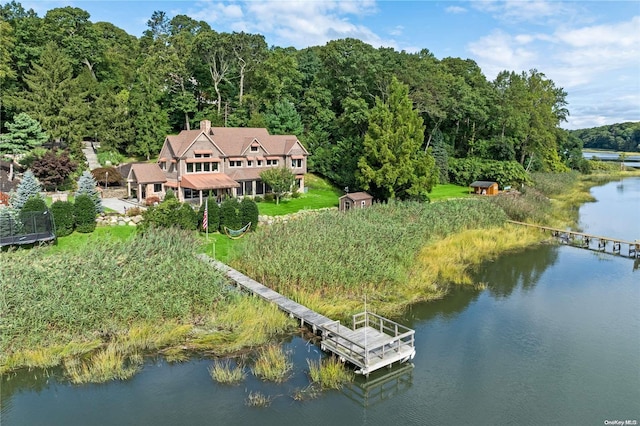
{"x": 104, "y": 365}
{"x": 258, "y": 399}
{"x": 304, "y": 394}
{"x": 242, "y": 322}
{"x": 227, "y": 373}
{"x": 329, "y": 373}
{"x": 272, "y": 364}
{"x": 127, "y": 293}
{"x": 330, "y": 261}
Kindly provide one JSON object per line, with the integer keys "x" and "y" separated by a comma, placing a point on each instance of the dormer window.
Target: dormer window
{"x": 254, "y": 148}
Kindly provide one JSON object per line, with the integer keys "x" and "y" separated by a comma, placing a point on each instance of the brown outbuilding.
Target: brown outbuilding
{"x": 355, "y": 200}
{"x": 484, "y": 187}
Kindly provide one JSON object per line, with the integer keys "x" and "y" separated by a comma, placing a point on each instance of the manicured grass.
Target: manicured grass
{"x": 320, "y": 194}
{"x": 217, "y": 245}
{"x": 442, "y": 192}
{"x": 78, "y": 241}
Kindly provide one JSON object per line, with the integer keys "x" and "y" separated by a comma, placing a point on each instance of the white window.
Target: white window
{"x": 202, "y": 155}
{"x": 272, "y": 162}
{"x": 259, "y": 163}
{"x": 254, "y": 149}
{"x": 189, "y": 167}
{"x": 163, "y": 166}
{"x": 236, "y": 163}
{"x": 297, "y": 163}
{"x": 157, "y": 187}
{"x": 249, "y": 163}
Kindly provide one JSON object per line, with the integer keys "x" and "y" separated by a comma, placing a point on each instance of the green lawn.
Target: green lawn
{"x": 442, "y": 192}
{"x": 320, "y": 194}
{"x": 77, "y": 240}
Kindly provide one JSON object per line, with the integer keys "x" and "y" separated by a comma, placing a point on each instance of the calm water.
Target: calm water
{"x": 554, "y": 339}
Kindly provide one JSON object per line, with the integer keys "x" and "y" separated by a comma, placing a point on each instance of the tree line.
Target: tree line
{"x": 617, "y": 137}
{"x": 345, "y": 100}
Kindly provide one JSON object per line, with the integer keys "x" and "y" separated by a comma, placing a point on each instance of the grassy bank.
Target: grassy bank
{"x": 109, "y": 300}
{"x": 331, "y": 260}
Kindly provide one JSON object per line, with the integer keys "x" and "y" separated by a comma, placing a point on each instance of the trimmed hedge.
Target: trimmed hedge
{"x": 85, "y": 213}
{"x": 64, "y": 218}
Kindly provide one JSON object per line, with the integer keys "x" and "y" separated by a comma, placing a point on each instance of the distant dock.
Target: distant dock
{"x": 591, "y": 242}
{"x": 372, "y": 342}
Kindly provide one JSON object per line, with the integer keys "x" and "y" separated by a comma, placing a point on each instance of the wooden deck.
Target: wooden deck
{"x": 591, "y": 242}
{"x": 371, "y": 343}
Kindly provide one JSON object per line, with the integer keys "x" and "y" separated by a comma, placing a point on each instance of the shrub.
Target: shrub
{"x": 249, "y": 213}
{"x": 295, "y": 194}
{"x": 187, "y": 217}
{"x": 169, "y": 214}
{"x": 463, "y": 171}
{"x": 63, "y": 217}
{"x": 134, "y": 211}
{"x": 229, "y": 214}
{"x": 268, "y": 198}
{"x": 110, "y": 158}
{"x": 213, "y": 214}
{"x": 30, "y": 215}
{"x": 85, "y": 213}
{"x": 152, "y": 200}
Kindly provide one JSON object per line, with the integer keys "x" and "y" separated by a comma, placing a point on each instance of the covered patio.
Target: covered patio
{"x": 195, "y": 187}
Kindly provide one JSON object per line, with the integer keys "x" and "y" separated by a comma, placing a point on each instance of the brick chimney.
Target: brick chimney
{"x": 205, "y": 126}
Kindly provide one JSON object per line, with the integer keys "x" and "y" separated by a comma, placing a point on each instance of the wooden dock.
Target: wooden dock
{"x": 372, "y": 342}
{"x": 591, "y": 242}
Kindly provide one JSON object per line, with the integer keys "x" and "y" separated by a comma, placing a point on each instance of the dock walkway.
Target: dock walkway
{"x": 591, "y": 242}
{"x": 371, "y": 343}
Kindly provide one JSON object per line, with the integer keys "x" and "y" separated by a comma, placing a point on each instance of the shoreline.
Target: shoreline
{"x": 430, "y": 283}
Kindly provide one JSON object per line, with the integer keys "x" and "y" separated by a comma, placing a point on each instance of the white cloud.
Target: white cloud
{"x": 398, "y": 30}
{"x": 500, "y": 51}
{"x": 455, "y": 9}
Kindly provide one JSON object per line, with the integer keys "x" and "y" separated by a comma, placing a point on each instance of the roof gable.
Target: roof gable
{"x": 146, "y": 173}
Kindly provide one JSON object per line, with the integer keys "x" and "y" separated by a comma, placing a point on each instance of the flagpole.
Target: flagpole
{"x": 206, "y": 217}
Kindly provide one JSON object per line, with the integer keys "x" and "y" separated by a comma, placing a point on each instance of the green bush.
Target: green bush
{"x": 213, "y": 215}
{"x": 30, "y": 215}
{"x": 229, "y": 214}
{"x": 63, "y": 217}
{"x": 249, "y": 213}
{"x": 463, "y": 171}
{"x": 187, "y": 218}
{"x": 269, "y": 198}
{"x": 112, "y": 158}
{"x": 85, "y": 213}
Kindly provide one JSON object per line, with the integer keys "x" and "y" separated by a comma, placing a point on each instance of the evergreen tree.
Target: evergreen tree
{"x": 284, "y": 119}
{"x": 393, "y": 164}
{"x": 28, "y": 187}
{"x": 10, "y": 223}
{"x": 63, "y": 217}
{"x": 229, "y": 214}
{"x": 213, "y": 214}
{"x": 87, "y": 186}
{"x": 249, "y": 213}
{"x": 24, "y": 135}
{"x": 84, "y": 210}
{"x": 187, "y": 217}
{"x": 31, "y": 215}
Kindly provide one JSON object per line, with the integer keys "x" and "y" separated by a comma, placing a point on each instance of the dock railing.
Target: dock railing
{"x": 362, "y": 352}
{"x": 402, "y": 336}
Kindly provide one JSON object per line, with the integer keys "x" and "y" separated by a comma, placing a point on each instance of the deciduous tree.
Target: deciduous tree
{"x": 279, "y": 179}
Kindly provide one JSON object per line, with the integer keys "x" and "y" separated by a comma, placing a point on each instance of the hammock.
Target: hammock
{"x": 235, "y": 234}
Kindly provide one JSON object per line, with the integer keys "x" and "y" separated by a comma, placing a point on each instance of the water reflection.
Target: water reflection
{"x": 380, "y": 386}
{"x": 518, "y": 270}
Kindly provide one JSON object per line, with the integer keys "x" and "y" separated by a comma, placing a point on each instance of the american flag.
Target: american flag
{"x": 205, "y": 218}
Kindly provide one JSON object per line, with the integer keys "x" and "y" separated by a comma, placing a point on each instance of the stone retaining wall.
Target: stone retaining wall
{"x": 111, "y": 219}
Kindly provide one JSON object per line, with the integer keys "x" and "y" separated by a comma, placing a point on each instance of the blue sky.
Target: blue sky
{"x": 590, "y": 48}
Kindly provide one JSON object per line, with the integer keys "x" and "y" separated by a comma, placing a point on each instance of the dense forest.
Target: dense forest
{"x": 84, "y": 80}
{"x": 615, "y": 137}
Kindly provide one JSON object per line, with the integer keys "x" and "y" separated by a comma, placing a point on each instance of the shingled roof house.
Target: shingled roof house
{"x": 223, "y": 160}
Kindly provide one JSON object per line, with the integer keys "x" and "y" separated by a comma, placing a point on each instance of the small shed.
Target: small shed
{"x": 355, "y": 200}
{"x": 484, "y": 187}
